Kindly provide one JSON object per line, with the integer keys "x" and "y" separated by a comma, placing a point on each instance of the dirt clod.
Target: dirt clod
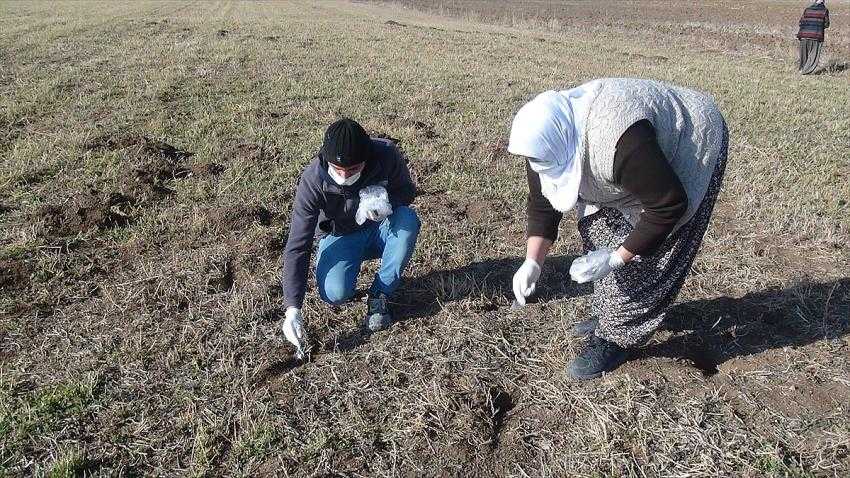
{"x": 14, "y": 274}
{"x": 276, "y": 243}
{"x": 92, "y": 211}
{"x": 151, "y": 164}
{"x": 207, "y": 169}
{"x": 138, "y": 144}
{"x": 254, "y": 153}
{"x": 237, "y": 218}
{"x": 426, "y": 130}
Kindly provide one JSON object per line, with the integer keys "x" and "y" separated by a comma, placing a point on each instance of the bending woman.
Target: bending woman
{"x": 642, "y": 163}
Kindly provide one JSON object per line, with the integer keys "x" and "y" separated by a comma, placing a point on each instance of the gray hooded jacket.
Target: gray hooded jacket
{"x": 322, "y": 207}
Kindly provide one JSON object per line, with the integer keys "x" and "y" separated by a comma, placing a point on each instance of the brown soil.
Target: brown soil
{"x": 92, "y": 211}
{"x": 255, "y": 153}
{"x": 237, "y": 218}
{"x": 141, "y": 145}
{"x": 14, "y": 274}
{"x": 151, "y": 165}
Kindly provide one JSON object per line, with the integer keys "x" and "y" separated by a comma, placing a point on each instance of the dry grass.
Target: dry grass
{"x": 149, "y": 152}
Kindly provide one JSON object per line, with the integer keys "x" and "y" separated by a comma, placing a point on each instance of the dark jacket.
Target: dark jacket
{"x": 814, "y": 22}
{"x": 323, "y": 207}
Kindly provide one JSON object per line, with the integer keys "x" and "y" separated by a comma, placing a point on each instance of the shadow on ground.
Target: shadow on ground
{"x": 488, "y": 283}
{"x": 710, "y": 332}
{"x": 835, "y": 66}
{"x": 706, "y": 332}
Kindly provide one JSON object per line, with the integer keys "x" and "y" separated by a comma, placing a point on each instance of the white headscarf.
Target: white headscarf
{"x": 549, "y": 130}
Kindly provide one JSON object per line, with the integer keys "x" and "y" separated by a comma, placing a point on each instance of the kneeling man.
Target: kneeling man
{"x": 355, "y": 195}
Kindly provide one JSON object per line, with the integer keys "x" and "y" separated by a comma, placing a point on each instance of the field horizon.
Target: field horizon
{"x": 149, "y": 155}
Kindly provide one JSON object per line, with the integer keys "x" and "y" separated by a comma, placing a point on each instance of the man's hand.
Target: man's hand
{"x": 379, "y": 214}
{"x": 374, "y": 205}
{"x": 595, "y": 265}
{"x": 525, "y": 280}
{"x": 294, "y": 330}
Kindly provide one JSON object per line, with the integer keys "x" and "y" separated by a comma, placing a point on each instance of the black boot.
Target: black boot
{"x": 600, "y": 356}
{"x": 378, "y": 315}
{"x": 585, "y": 328}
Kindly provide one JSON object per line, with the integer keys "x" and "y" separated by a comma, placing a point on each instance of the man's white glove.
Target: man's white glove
{"x": 595, "y": 265}
{"x": 294, "y": 330}
{"x": 374, "y": 205}
{"x": 525, "y": 280}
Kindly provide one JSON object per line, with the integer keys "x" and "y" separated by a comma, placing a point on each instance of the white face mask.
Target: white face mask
{"x": 341, "y": 180}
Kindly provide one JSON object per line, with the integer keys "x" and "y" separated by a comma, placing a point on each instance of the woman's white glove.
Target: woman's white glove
{"x": 294, "y": 330}
{"x": 525, "y": 280}
{"x": 595, "y": 265}
{"x": 374, "y": 205}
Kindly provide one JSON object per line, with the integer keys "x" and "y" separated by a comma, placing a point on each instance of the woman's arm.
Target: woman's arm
{"x": 641, "y": 168}
{"x": 543, "y": 219}
{"x": 625, "y": 254}
{"x": 542, "y": 230}
{"x": 537, "y": 248}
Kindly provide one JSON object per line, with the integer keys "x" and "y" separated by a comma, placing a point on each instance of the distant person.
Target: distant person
{"x": 355, "y": 194}
{"x": 813, "y": 25}
{"x": 642, "y": 163}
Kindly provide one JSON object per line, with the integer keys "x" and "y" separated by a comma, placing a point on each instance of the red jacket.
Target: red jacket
{"x": 814, "y": 22}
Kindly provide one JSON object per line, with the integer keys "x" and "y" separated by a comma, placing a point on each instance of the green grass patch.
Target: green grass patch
{"x": 28, "y": 417}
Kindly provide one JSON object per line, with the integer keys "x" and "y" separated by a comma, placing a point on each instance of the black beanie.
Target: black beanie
{"x": 346, "y": 143}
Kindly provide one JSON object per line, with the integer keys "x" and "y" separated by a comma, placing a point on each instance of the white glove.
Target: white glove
{"x": 525, "y": 280}
{"x": 595, "y": 265}
{"x": 294, "y": 330}
{"x": 374, "y": 205}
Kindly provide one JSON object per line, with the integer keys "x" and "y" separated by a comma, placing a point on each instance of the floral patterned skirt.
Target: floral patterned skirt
{"x": 631, "y": 302}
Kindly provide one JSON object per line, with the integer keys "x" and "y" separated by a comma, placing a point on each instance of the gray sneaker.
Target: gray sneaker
{"x": 378, "y": 315}
{"x": 598, "y": 357}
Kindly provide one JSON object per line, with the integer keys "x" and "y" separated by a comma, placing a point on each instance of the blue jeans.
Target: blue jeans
{"x": 340, "y": 257}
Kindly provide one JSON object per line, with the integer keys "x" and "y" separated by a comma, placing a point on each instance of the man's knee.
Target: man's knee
{"x": 335, "y": 292}
{"x": 405, "y": 219}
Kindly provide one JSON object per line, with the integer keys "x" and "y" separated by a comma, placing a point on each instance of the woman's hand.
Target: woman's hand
{"x": 525, "y": 278}
{"x": 599, "y": 263}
